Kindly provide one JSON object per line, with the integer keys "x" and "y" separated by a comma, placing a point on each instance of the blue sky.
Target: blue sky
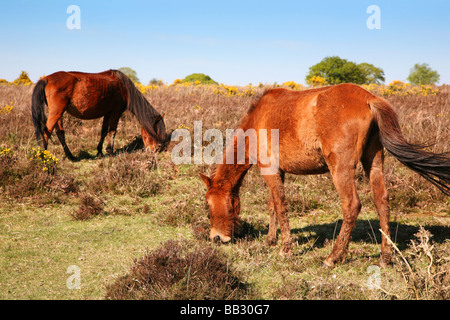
{"x": 235, "y": 42}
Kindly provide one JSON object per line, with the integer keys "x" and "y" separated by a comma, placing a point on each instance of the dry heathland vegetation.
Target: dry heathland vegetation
{"x": 136, "y": 225}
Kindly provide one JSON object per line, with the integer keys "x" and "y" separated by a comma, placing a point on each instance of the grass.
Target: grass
{"x": 134, "y": 202}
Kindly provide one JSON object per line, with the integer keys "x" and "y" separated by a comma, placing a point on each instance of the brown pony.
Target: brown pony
{"x": 90, "y": 96}
{"x": 320, "y": 130}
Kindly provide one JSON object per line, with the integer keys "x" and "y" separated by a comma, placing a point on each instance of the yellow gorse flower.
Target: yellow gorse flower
{"x": 8, "y": 108}
{"x": 5, "y": 152}
{"x": 399, "y": 88}
{"x": 145, "y": 89}
{"x": 231, "y": 91}
{"x": 182, "y": 126}
{"x": 198, "y": 108}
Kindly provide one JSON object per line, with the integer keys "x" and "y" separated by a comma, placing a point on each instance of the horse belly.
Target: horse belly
{"x": 95, "y": 99}
{"x": 94, "y": 109}
{"x": 301, "y": 149}
{"x": 302, "y": 159}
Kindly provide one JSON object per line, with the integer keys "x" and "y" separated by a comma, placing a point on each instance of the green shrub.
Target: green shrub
{"x": 199, "y": 78}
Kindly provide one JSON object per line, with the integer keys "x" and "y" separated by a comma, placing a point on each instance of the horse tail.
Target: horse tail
{"x": 38, "y": 102}
{"x": 138, "y": 105}
{"x": 434, "y": 167}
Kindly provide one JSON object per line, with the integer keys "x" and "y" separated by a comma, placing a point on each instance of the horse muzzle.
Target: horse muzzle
{"x": 217, "y": 237}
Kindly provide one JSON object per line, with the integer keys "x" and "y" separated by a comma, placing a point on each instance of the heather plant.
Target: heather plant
{"x": 180, "y": 271}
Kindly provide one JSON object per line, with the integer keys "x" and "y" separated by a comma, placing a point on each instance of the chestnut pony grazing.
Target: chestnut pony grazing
{"x": 90, "y": 96}
{"x": 320, "y": 130}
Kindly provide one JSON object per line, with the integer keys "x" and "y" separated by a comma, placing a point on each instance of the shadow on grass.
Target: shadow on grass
{"x": 133, "y": 146}
{"x": 136, "y": 144}
{"x": 366, "y": 231}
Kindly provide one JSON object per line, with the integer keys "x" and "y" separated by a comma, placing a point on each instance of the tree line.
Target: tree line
{"x": 331, "y": 70}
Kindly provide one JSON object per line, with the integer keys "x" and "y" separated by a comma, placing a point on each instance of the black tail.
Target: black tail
{"x": 38, "y": 102}
{"x": 138, "y": 105}
{"x": 435, "y": 167}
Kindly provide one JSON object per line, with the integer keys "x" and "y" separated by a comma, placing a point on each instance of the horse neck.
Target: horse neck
{"x": 229, "y": 176}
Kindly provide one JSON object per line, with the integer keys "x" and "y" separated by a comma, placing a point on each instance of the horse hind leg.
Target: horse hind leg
{"x": 49, "y": 127}
{"x": 62, "y": 139}
{"x": 54, "y": 121}
{"x": 343, "y": 175}
{"x": 372, "y": 161}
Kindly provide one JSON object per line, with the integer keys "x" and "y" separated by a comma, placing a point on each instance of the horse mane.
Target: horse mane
{"x": 256, "y": 99}
{"x": 141, "y": 108}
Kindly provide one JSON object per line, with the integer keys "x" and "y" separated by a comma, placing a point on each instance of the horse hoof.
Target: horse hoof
{"x": 271, "y": 242}
{"x": 328, "y": 264}
{"x": 286, "y": 252}
{"x": 72, "y": 158}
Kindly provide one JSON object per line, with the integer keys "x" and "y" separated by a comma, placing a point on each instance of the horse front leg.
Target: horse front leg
{"x": 272, "y": 237}
{"x": 112, "y": 128}
{"x": 104, "y": 132}
{"x": 275, "y": 184}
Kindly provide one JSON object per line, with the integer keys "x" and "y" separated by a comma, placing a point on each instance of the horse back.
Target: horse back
{"x": 86, "y": 95}
{"x": 313, "y": 124}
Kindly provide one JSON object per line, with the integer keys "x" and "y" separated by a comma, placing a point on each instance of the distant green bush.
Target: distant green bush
{"x": 199, "y": 78}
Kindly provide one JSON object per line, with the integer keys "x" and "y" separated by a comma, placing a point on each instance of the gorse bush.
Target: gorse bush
{"x": 44, "y": 159}
{"x": 5, "y": 152}
{"x": 399, "y": 88}
{"x": 316, "y": 81}
{"x": 293, "y": 85}
{"x": 23, "y": 79}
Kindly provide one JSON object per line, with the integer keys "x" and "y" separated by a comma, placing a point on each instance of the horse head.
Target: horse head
{"x": 159, "y": 141}
{"x": 224, "y": 207}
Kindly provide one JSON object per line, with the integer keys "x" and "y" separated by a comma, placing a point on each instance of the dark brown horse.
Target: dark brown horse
{"x": 90, "y": 96}
{"x": 320, "y": 130}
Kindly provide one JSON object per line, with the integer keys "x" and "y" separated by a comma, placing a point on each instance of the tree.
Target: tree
{"x": 336, "y": 70}
{"x": 372, "y": 73}
{"x": 130, "y": 73}
{"x": 199, "y": 78}
{"x": 421, "y": 73}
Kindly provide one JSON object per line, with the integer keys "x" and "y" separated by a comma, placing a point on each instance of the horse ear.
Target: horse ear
{"x": 206, "y": 180}
{"x": 158, "y": 118}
